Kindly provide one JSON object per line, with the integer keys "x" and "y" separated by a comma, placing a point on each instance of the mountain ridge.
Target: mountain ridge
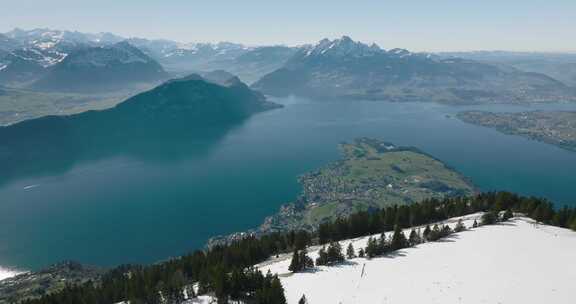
{"x": 346, "y": 69}
{"x": 101, "y": 68}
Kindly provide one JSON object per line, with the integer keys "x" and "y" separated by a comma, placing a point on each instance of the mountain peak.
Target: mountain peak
{"x": 341, "y": 47}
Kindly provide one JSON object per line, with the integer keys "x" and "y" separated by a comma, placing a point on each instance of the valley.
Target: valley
{"x": 18, "y": 105}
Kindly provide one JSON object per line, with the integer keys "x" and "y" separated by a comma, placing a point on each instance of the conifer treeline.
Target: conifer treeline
{"x": 434, "y": 210}
{"x": 225, "y": 270}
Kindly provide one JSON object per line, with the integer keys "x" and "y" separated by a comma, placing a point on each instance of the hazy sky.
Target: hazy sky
{"x": 422, "y": 25}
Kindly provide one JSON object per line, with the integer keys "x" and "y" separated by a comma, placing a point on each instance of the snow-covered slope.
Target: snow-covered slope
{"x": 7, "y": 273}
{"x": 513, "y": 262}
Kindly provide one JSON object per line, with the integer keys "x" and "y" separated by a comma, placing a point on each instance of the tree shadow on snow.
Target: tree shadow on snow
{"x": 345, "y": 263}
{"x": 448, "y": 239}
{"x": 507, "y": 223}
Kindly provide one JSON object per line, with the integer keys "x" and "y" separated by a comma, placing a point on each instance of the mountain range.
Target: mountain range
{"x": 343, "y": 68}
{"x": 45, "y": 59}
{"x": 561, "y": 66}
{"x": 100, "y": 68}
{"x": 52, "y": 60}
{"x": 249, "y": 63}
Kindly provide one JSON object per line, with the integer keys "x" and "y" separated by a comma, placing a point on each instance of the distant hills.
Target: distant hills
{"x": 181, "y": 117}
{"x": 561, "y": 66}
{"x": 343, "y": 68}
{"x": 249, "y": 63}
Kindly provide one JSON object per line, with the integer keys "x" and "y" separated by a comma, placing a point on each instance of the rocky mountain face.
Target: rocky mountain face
{"x": 343, "y": 68}
{"x": 96, "y": 69}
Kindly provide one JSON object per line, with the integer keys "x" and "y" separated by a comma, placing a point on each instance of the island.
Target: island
{"x": 552, "y": 127}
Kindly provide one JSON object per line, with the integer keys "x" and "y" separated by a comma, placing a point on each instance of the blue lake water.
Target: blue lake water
{"x": 131, "y": 209}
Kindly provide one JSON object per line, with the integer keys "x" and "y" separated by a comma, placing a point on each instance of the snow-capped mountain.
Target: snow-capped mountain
{"x": 249, "y": 63}
{"x": 344, "y": 68}
{"x": 345, "y": 48}
{"x": 119, "y": 53}
{"x": 25, "y": 56}
{"x": 186, "y": 57}
{"x": 342, "y": 47}
{"x": 48, "y": 47}
{"x": 102, "y": 68}
{"x": 62, "y": 41}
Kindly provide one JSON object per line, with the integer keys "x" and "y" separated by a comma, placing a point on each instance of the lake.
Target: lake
{"x": 129, "y": 208}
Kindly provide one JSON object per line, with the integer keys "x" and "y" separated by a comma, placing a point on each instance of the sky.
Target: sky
{"x": 418, "y": 25}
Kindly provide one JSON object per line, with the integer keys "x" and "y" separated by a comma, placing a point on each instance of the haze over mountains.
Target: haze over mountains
{"x": 343, "y": 68}
{"x": 64, "y": 61}
{"x": 45, "y": 59}
{"x": 179, "y": 117}
{"x": 561, "y": 66}
{"x": 96, "y": 69}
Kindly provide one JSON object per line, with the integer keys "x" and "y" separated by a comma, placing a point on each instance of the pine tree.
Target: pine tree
{"x": 371, "y": 248}
{"x": 398, "y": 239}
{"x": 446, "y": 231}
{"x": 475, "y": 224}
{"x": 434, "y": 234}
{"x": 382, "y": 245}
{"x": 361, "y": 251}
{"x": 507, "y": 215}
{"x": 277, "y": 292}
{"x": 350, "y": 253}
{"x": 489, "y": 218}
{"x": 459, "y": 226}
{"x": 414, "y": 238}
{"x": 303, "y": 300}
{"x": 322, "y": 257}
{"x": 305, "y": 261}
{"x": 427, "y": 232}
{"x": 295, "y": 264}
{"x": 335, "y": 253}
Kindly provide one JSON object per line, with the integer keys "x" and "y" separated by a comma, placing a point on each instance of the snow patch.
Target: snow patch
{"x": 519, "y": 261}
{"x": 8, "y": 273}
